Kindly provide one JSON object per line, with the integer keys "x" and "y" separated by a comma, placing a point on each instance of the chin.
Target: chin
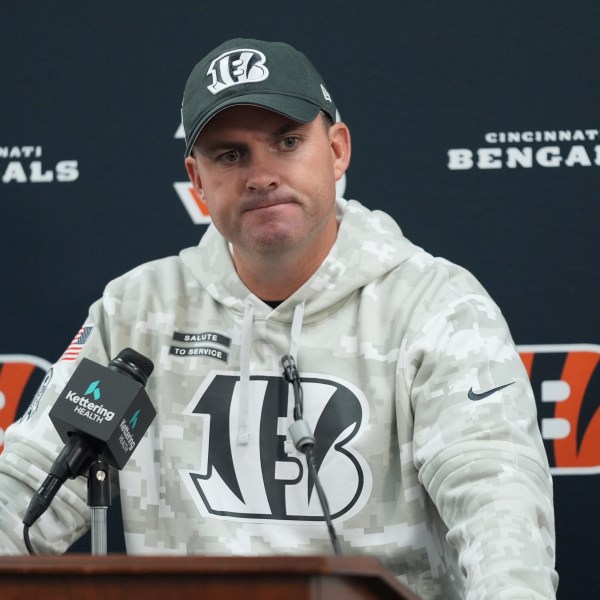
{"x": 274, "y": 239}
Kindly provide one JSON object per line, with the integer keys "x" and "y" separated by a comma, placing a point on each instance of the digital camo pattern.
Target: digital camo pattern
{"x": 452, "y": 494}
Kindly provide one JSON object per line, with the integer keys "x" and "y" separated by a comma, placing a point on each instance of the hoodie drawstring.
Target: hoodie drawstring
{"x": 242, "y": 435}
{"x": 296, "y": 329}
{"x": 246, "y": 349}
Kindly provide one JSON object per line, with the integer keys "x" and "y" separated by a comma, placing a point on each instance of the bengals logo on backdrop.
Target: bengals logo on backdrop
{"x": 20, "y": 376}
{"x": 566, "y": 384}
{"x": 192, "y": 202}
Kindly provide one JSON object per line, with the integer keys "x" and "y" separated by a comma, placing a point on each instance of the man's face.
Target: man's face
{"x": 269, "y": 181}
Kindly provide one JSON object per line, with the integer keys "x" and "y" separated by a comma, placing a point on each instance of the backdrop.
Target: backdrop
{"x": 474, "y": 124}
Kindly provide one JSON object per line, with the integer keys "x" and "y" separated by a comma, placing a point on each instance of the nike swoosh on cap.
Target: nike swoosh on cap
{"x": 475, "y": 396}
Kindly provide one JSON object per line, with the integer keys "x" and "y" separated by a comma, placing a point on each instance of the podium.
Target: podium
{"x": 120, "y": 577}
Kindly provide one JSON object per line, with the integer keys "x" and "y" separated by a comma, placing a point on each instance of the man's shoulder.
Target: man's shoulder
{"x": 150, "y": 276}
{"x": 433, "y": 282}
{"x": 396, "y": 261}
{"x": 422, "y": 265}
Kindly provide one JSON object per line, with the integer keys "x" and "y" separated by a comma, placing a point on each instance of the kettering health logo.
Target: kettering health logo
{"x": 88, "y": 409}
{"x": 134, "y": 419}
{"x": 551, "y": 148}
{"x": 26, "y": 164}
{"x": 93, "y": 389}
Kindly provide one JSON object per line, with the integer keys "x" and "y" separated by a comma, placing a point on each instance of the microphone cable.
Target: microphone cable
{"x": 304, "y": 441}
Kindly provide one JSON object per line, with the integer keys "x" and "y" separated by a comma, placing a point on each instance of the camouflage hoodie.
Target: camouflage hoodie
{"x": 427, "y": 439}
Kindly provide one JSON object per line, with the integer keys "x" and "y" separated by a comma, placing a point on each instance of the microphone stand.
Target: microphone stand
{"x": 99, "y": 499}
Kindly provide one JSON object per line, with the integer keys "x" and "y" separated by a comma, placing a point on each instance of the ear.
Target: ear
{"x": 339, "y": 137}
{"x": 191, "y": 166}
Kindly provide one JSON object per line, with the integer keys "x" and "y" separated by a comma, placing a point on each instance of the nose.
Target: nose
{"x": 262, "y": 174}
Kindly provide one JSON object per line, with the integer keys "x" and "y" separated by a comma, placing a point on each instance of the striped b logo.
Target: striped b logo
{"x": 20, "y": 376}
{"x": 566, "y": 384}
{"x": 236, "y": 67}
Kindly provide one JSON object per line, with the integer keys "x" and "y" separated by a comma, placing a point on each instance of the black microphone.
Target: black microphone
{"x": 101, "y": 414}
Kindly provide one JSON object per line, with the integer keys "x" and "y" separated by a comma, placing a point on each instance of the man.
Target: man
{"x": 427, "y": 442}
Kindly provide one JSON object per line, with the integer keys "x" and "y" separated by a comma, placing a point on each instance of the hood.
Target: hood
{"x": 369, "y": 244}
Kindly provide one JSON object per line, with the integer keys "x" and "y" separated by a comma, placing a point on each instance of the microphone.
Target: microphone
{"x": 101, "y": 414}
{"x": 305, "y": 442}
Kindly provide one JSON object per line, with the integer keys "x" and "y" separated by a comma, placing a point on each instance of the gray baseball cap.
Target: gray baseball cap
{"x": 271, "y": 75}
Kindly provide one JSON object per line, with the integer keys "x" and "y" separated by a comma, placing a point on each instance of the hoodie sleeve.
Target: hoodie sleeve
{"x": 479, "y": 452}
{"x": 32, "y": 445}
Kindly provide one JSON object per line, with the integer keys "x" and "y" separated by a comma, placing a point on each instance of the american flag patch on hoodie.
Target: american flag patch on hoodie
{"x": 76, "y": 346}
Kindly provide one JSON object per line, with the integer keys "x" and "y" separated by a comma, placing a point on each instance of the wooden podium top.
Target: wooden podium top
{"x": 117, "y": 577}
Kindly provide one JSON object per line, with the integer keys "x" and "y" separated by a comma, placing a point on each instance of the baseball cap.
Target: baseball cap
{"x": 271, "y": 75}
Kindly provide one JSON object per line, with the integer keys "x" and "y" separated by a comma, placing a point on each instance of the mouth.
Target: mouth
{"x": 266, "y": 202}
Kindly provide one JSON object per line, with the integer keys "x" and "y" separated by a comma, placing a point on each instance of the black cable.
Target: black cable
{"x": 27, "y": 540}
{"x": 312, "y": 467}
{"x": 304, "y": 441}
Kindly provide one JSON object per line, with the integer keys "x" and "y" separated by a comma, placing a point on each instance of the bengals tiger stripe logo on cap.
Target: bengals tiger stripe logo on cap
{"x": 235, "y": 67}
